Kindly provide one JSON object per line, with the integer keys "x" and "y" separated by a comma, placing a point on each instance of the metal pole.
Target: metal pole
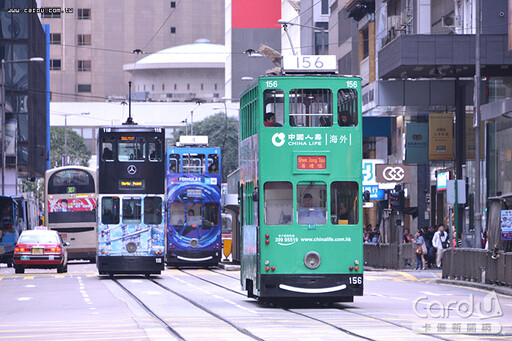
{"x": 192, "y": 123}
{"x": 476, "y": 125}
{"x": 65, "y": 162}
{"x": 285, "y": 27}
{"x": 3, "y": 127}
{"x": 322, "y": 50}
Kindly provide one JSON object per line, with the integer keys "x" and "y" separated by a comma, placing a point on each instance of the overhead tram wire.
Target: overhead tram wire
{"x": 165, "y": 21}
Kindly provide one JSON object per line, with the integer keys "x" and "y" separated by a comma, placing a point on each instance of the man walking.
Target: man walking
{"x": 440, "y": 242}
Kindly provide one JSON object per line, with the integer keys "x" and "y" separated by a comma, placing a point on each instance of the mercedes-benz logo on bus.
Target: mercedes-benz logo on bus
{"x": 393, "y": 174}
{"x": 131, "y": 169}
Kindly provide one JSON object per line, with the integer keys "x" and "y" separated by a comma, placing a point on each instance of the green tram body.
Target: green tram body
{"x": 276, "y": 248}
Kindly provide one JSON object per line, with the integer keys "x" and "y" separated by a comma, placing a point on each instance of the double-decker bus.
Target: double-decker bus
{"x": 70, "y": 208}
{"x": 300, "y": 184}
{"x": 9, "y": 229}
{"x": 131, "y": 177}
{"x": 193, "y": 203}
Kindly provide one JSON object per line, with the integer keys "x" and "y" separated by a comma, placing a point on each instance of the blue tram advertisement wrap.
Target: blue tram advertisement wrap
{"x": 193, "y": 206}
{"x": 131, "y": 177}
{"x": 9, "y": 229}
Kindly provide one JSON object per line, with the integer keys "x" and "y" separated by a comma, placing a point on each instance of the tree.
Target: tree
{"x": 222, "y": 131}
{"x": 78, "y": 152}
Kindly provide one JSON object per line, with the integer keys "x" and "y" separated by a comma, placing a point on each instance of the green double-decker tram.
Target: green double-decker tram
{"x": 300, "y": 187}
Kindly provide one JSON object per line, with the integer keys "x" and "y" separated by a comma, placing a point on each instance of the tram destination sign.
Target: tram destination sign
{"x": 311, "y": 162}
{"x": 309, "y": 63}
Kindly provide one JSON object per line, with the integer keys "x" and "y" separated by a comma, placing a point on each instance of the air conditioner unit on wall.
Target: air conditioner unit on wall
{"x": 451, "y": 21}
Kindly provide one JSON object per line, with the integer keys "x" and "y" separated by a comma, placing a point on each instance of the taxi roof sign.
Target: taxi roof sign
{"x": 40, "y": 228}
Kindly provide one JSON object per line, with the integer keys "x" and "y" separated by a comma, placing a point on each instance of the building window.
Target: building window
{"x": 365, "y": 42}
{"x": 175, "y": 86}
{"x": 188, "y": 86}
{"x": 50, "y": 13}
{"x": 84, "y": 13}
{"x": 55, "y": 38}
{"x": 173, "y": 4}
{"x": 202, "y": 86}
{"x": 55, "y": 64}
{"x": 173, "y": 30}
{"x": 163, "y": 87}
{"x": 83, "y": 88}
{"x": 84, "y": 39}
{"x": 84, "y": 65}
{"x": 215, "y": 86}
{"x": 325, "y": 6}
{"x": 152, "y": 87}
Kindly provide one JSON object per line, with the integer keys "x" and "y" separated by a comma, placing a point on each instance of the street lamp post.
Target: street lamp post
{"x": 33, "y": 59}
{"x": 65, "y": 158}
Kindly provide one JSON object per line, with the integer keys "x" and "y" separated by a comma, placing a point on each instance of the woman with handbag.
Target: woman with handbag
{"x": 419, "y": 244}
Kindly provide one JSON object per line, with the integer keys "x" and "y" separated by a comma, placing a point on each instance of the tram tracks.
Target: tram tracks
{"x": 315, "y": 318}
{"x": 191, "y": 301}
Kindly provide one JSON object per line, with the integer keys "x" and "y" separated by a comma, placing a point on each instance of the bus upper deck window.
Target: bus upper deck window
{"x": 107, "y": 152}
{"x": 213, "y": 164}
{"x": 155, "y": 150}
{"x": 131, "y": 149}
{"x": 347, "y": 108}
{"x": 310, "y": 107}
{"x": 174, "y": 163}
{"x": 273, "y": 115}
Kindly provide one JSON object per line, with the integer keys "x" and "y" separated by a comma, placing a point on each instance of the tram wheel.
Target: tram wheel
{"x": 19, "y": 269}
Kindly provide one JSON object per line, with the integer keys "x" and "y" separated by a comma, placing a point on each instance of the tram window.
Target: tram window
{"x": 347, "y": 107}
{"x": 194, "y": 216}
{"x": 211, "y": 214}
{"x": 107, "y": 154}
{"x": 177, "y": 213}
{"x": 278, "y": 203}
{"x": 110, "y": 210}
{"x": 274, "y": 106}
{"x": 131, "y": 149}
{"x": 152, "y": 210}
{"x": 344, "y": 196}
{"x": 174, "y": 163}
{"x": 155, "y": 150}
{"x": 194, "y": 163}
{"x": 310, "y": 107}
{"x": 311, "y": 203}
{"x": 213, "y": 164}
{"x": 132, "y": 211}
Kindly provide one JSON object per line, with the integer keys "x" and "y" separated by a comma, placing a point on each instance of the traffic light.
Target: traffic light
{"x": 397, "y": 199}
{"x": 366, "y": 195}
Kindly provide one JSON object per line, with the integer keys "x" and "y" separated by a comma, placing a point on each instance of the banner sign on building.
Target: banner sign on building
{"x": 440, "y": 129}
{"x": 416, "y": 146}
{"x": 393, "y": 173}
{"x": 370, "y": 179}
{"x": 506, "y": 224}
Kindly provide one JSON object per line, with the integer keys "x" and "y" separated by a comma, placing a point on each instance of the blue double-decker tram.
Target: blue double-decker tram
{"x": 193, "y": 203}
{"x": 131, "y": 182}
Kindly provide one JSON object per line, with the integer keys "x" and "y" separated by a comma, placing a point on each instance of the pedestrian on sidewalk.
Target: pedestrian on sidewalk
{"x": 440, "y": 242}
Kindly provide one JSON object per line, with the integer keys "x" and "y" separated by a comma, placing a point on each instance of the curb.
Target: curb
{"x": 489, "y": 287}
{"x": 229, "y": 267}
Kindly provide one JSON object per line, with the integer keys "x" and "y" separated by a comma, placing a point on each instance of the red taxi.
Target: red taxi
{"x": 41, "y": 249}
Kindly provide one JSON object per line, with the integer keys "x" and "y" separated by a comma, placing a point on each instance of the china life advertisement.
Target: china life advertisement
{"x": 506, "y": 225}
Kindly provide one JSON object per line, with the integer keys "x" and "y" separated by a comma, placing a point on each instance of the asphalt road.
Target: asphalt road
{"x": 198, "y": 304}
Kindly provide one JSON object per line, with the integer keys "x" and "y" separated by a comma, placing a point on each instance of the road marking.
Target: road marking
{"x": 24, "y": 299}
{"x": 408, "y": 276}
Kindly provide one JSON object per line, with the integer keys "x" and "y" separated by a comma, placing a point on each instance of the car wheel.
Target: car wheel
{"x": 19, "y": 269}
{"x": 60, "y": 269}
{"x": 65, "y": 269}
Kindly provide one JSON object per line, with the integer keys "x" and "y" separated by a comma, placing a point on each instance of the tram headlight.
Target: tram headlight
{"x": 194, "y": 243}
{"x": 312, "y": 260}
{"x": 131, "y": 247}
{"x": 356, "y": 262}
